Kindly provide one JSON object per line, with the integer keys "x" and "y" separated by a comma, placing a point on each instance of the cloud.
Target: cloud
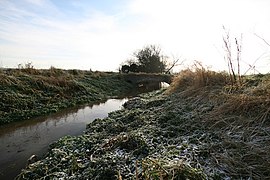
{"x": 77, "y": 34}
{"x": 36, "y": 36}
{"x": 36, "y": 2}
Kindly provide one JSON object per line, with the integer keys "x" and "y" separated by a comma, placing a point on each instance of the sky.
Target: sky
{"x": 100, "y": 35}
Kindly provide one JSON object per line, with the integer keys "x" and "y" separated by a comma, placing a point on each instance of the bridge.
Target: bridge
{"x": 144, "y": 78}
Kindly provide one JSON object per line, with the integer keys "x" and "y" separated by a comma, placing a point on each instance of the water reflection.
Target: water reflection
{"x": 22, "y": 139}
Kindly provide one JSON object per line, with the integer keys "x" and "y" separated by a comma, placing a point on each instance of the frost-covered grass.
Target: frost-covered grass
{"x": 129, "y": 143}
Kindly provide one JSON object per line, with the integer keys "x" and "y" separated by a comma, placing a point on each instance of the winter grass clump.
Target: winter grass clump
{"x": 197, "y": 77}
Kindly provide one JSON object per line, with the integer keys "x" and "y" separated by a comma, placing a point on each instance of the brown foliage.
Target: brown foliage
{"x": 198, "y": 77}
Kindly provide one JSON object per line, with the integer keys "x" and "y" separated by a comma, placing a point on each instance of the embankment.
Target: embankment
{"x": 27, "y": 93}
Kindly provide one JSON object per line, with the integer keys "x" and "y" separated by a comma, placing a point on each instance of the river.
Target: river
{"x": 20, "y": 140}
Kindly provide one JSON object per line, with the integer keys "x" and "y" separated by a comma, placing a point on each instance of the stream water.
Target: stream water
{"x": 20, "y": 140}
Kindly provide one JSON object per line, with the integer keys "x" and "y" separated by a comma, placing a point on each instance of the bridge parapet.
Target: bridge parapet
{"x": 144, "y": 78}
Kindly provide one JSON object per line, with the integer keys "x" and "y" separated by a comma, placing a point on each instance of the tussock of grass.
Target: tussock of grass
{"x": 162, "y": 169}
{"x": 197, "y": 78}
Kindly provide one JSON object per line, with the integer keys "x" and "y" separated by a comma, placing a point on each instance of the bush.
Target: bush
{"x": 148, "y": 60}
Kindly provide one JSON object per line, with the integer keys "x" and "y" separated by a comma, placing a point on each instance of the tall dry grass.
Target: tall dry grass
{"x": 251, "y": 101}
{"x": 197, "y": 77}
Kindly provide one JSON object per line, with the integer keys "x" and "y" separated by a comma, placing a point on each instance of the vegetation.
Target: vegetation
{"x": 148, "y": 60}
{"x": 237, "y": 117}
{"x": 202, "y": 127}
{"x": 229, "y": 54}
{"x": 27, "y": 92}
{"x": 128, "y": 144}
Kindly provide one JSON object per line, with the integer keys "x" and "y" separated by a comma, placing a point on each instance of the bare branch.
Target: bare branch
{"x": 173, "y": 65}
{"x": 239, "y": 50}
{"x": 262, "y": 39}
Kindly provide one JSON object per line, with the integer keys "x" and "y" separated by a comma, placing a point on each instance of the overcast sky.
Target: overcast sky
{"x": 100, "y": 34}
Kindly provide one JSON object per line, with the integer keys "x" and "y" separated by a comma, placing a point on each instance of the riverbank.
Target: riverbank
{"x": 26, "y": 93}
{"x": 21, "y": 139}
{"x": 200, "y": 128}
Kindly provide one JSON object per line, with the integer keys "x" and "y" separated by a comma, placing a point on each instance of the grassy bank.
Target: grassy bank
{"x": 28, "y": 92}
{"x": 202, "y": 127}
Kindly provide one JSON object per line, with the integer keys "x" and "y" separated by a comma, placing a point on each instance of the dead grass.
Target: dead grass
{"x": 198, "y": 77}
{"x": 251, "y": 100}
{"x": 243, "y": 122}
{"x": 240, "y": 118}
{"x": 5, "y": 80}
{"x": 162, "y": 169}
{"x": 256, "y": 107}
